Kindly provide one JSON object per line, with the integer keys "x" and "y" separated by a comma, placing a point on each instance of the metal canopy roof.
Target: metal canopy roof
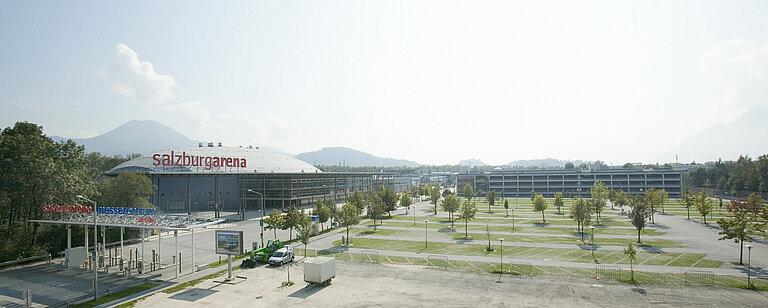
{"x": 166, "y": 222}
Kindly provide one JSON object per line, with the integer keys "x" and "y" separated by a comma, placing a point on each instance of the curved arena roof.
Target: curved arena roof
{"x": 215, "y": 160}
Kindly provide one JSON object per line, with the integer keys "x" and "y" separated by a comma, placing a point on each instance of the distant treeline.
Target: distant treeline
{"x": 743, "y": 174}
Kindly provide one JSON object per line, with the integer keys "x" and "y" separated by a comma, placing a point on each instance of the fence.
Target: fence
{"x": 702, "y": 278}
{"x": 47, "y": 257}
{"x": 607, "y": 272}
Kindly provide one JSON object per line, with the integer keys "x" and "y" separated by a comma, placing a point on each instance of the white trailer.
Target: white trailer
{"x": 319, "y": 270}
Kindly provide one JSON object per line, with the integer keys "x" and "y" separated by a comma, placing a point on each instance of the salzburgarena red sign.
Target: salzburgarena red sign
{"x": 184, "y": 160}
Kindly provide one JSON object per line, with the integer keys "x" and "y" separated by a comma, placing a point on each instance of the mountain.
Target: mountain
{"x": 135, "y": 137}
{"x": 542, "y": 163}
{"x": 744, "y": 136}
{"x": 472, "y": 162}
{"x": 334, "y": 156}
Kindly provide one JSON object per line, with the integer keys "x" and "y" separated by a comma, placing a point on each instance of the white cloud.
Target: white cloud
{"x": 138, "y": 80}
{"x": 282, "y": 124}
{"x": 235, "y": 127}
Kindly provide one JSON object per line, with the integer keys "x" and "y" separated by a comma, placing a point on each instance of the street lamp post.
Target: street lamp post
{"x": 425, "y": 232}
{"x": 262, "y": 215}
{"x": 749, "y": 265}
{"x": 513, "y": 220}
{"x": 593, "y": 235}
{"x": 95, "y": 241}
{"x": 501, "y": 254}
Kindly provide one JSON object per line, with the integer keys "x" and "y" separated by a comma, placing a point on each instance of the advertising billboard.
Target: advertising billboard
{"x": 229, "y": 242}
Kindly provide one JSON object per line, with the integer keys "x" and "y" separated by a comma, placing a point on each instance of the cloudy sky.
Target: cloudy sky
{"x": 430, "y": 81}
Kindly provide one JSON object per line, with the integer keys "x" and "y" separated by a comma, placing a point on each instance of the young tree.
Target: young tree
{"x": 468, "y": 211}
{"x": 638, "y": 213}
{"x": 468, "y": 192}
{"x": 662, "y": 196}
{"x": 599, "y": 194}
{"x": 612, "y": 193}
{"x": 357, "y": 200}
{"x": 581, "y": 212}
{"x": 323, "y": 214}
{"x": 631, "y": 254}
{"x": 274, "y": 221}
{"x": 703, "y": 204}
{"x": 687, "y": 199}
{"x": 744, "y": 223}
{"x": 318, "y": 205}
{"x": 388, "y": 199}
{"x": 539, "y": 205}
{"x": 375, "y": 207}
{"x": 435, "y": 196}
{"x": 621, "y": 200}
{"x": 446, "y": 192}
{"x": 491, "y": 196}
{"x": 330, "y": 204}
{"x": 292, "y": 217}
{"x": 651, "y": 201}
{"x": 348, "y": 217}
{"x": 506, "y": 208}
{"x": 450, "y": 204}
{"x": 533, "y": 195}
{"x": 559, "y": 201}
{"x": 304, "y": 230}
{"x": 405, "y": 200}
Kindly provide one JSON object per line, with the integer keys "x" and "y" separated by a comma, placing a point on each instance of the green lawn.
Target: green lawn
{"x": 533, "y": 253}
{"x": 544, "y": 229}
{"x": 117, "y": 295}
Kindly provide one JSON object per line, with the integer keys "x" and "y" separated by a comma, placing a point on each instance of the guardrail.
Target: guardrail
{"x": 25, "y": 260}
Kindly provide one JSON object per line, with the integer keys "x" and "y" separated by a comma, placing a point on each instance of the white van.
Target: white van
{"x": 282, "y": 256}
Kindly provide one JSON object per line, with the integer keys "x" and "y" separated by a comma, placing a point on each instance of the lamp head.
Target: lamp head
{"x": 501, "y": 239}
{"x": 79, "y": 197}
{"x": 426, "y": 221}
{"x": 749, "y": 246}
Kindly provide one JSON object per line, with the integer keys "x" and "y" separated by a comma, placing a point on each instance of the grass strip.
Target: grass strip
{"x": 117, "y": 295}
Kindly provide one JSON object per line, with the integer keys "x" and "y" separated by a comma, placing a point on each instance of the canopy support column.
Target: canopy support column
{"x": 69, "y": 246}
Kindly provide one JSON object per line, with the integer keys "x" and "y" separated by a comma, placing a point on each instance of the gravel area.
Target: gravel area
{"x": 361, "y": 284}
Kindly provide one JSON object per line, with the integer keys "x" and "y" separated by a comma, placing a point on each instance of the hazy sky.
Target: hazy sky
{"x": 430, "y": 81}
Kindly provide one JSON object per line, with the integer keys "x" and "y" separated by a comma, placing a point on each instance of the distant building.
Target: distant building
{"x": 198, "y": 179}
{"x": 519, "y": 183}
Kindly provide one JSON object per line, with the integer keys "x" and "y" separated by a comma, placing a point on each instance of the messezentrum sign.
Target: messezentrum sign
{"x": 100, "y": 210}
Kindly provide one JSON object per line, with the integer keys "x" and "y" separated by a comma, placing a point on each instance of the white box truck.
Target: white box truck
{"x": 319, "y": 270}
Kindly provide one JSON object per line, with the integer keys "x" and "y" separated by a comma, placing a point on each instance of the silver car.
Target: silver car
{"x": 282, "y": 256}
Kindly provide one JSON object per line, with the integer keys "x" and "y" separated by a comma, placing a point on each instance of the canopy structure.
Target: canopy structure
{"x": 162, "y": 222}
{"x": 166, "y": 222}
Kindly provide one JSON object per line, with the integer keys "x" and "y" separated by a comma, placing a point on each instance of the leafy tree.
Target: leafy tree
{"x": 450, "y": 204}
{"x": 621, "y": 199}
{"x": 491, "y": 198}
{"x": 35, "y": 171}
{"x": 126, "y": 190}
{"x": 435, "y": 196}
{"x": 304, "y": 230}
{"x": 539, "y": 205}
{"x": 651, "y": 201}
{"x": 628, "y": 166}
{"x": 468, "y": 211}
{"x": 638, "y": 213}
{"x": 322, "y": 211}
{"x": 662, "y": 196}
{"x": 374, "y": 206}
{"x": 704, "y": 205}
{"x": 631, "y": 254}
{"x": 533, "y": 195}
{"x": 446, "y": 192}
{"x": 332, "y": 208}
{"x": 348, "y": 217}
{"x": 687, "y": 199}
{"x": 468, "y": 192}
{"x": 581, "y": 212}
{"x": 405, "y": 200}
{"x": 357, "y": 200}
{"x": 292, "y": 218}
{"x": 568, "y": 166}
{"x": 599, "y": 194}
{"x": 744, "y": 222}
{"x": 506, "y": 208}
{"x": 274, "y": 221}
{"x": 559, "y": 201}
{"x": 388, "y": 199}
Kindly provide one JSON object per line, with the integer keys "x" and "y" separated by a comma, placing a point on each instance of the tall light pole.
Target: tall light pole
{"x": 749, "y": 265}
{"x": 501, "y": 254}
{"x": 262, "y": 215}
{"x": 95, "y": 241}
{"x": 425, "y": 232}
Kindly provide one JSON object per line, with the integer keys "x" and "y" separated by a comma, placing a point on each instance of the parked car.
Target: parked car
{"x": 282, "y": 256}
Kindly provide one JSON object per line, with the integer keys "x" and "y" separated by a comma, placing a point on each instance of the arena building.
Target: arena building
{"x": 235, "y": 178}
